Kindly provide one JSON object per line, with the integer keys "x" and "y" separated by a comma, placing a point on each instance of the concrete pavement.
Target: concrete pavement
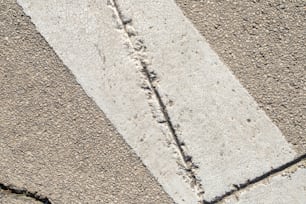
{"x": 263, "y": 43}
{"x": 282, "y": 188}
{"x": 198, "y": 131}
{"x": 54, "y": 140}
{"x": 7, "y": 197}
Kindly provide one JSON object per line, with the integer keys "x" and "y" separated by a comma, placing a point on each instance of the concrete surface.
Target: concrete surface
{"x": 204, "y": 133}
{"x": 228, "y": 137}
{"x": 54, "y": 139}
{"x": 8, "y": 198}
{"x": 284, "y": 188}
{"x": 89, "y": 39}
{"x": 200, "y": 137}
{"x": 263, "y": 43}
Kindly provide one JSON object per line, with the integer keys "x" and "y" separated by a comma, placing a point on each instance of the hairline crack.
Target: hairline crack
{"x": 258, "y": 179}
{"x": 187, "y": 159}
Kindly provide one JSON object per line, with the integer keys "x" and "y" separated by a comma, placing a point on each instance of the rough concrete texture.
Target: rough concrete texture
{"x": 88, "y": 36}
{"x": 9, "y": 198}
{"x": 284, "y": 188}
{"x": 263, "y": 42}
{"x": 224, "y": 131}
{"x": 54, "y": 139}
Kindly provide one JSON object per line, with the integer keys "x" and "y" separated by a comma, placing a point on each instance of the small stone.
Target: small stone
{"x": 126, "y": 20}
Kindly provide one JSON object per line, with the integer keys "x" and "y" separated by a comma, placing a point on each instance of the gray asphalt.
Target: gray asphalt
{"x": 54, "y": 139}
{"x": 264, "y": 44}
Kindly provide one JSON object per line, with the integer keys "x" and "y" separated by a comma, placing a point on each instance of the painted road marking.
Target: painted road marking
{"x": 87, "y": 37}
{"x": 225, "y": 132}
{"x": 126, "y": 57}
{"x": 288, "y": 187}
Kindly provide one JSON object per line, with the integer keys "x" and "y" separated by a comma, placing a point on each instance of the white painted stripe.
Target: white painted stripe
{"x": 86, "y": 37}
{"x": 208, "y": 107}
{"x": 288, "y": 187}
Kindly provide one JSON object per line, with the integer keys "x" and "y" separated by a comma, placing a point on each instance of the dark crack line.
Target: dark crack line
{"x": 187, "y": 159}
{"x": 25, "y": 192}
{"x": 248, "y": 183}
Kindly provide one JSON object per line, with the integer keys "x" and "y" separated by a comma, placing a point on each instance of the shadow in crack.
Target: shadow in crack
{"x": 24, "y": 192}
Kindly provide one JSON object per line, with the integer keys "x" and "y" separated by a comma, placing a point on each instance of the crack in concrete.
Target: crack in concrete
{"x": 139, "y": 48}
{"x": 258, "y": 179}
{"x": 21, "y": 191}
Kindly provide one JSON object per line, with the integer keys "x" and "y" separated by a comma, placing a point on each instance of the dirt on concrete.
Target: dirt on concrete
{"x": 54, "y": 139}
{"x": 264, "y": 44}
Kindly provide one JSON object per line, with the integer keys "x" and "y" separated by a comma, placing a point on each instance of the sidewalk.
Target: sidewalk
{"x": 107, "y": 102}
{"x": 54, "y": 140}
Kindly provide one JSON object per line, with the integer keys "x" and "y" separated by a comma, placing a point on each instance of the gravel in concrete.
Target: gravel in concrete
{"x": 54, "y": 139}
{"x": 263, "y": 42}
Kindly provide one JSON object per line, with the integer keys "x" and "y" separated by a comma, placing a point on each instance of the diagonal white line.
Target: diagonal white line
{"x": 224, "y": 132}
